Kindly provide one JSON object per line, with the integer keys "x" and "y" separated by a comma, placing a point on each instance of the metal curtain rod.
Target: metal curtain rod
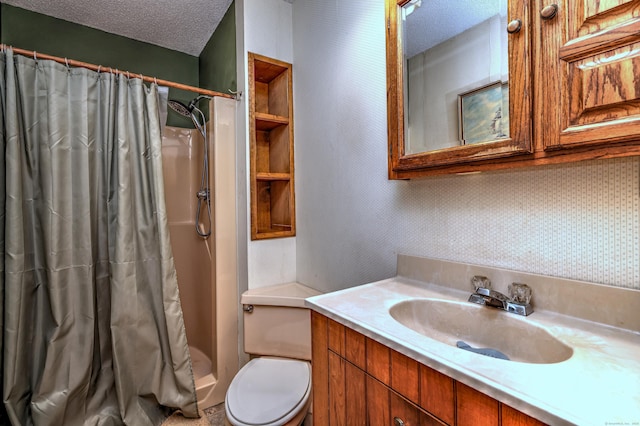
{"x": 74, "y": 63}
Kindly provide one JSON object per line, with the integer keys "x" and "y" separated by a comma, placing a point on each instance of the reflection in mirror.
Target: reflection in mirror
{"x": 455, "y": 73}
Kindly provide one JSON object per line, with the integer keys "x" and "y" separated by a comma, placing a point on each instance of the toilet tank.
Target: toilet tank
{"x": 276, "y": 323}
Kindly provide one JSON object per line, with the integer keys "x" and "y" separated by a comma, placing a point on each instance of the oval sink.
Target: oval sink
{"x": 481, "y": 327}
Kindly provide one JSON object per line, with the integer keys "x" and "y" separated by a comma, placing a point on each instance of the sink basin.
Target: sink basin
{"x": 481, "y": 327}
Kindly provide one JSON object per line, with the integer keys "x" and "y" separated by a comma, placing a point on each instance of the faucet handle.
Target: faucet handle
{"x": 479, "y": 281}
{"x": 520, "y": 293}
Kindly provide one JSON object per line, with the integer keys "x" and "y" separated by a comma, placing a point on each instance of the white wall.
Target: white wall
{"x": 576, "y": 221}
{"x": 267, "y": 31}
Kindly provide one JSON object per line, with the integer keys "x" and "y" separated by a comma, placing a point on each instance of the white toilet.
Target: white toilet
{"x": 274, "y": 388}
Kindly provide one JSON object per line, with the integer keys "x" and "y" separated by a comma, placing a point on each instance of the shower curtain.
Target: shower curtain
{"x": 92, "y": 329}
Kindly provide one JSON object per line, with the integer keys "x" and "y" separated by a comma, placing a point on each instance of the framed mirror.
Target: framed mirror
{"x": 458, "y": 83}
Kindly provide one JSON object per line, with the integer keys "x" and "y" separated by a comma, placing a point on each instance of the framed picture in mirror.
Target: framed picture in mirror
{"x": 484, "y": 113}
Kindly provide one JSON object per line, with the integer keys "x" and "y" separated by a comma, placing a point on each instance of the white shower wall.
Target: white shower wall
{"x": 579, "y": 221}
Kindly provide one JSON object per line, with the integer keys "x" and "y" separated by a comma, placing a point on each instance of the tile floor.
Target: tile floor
{"x": 212, "y": 416}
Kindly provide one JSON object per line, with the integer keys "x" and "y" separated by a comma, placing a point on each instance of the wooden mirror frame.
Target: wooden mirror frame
{"x": 407, "y": 166}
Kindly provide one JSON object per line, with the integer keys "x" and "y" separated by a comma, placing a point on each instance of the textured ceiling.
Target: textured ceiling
{"x": 181, "y": 25}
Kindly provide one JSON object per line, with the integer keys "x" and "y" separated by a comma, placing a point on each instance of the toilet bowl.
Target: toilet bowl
{"x": 270, "y": 392}
{"x": 273, "y": 389}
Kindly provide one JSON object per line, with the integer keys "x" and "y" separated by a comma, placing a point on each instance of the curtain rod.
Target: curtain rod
{"x": 74, "y": 63}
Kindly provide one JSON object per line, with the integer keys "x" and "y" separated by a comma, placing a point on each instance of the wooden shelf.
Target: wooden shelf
{"x": 271, "y": 148}
{"x": 269, "y": 121}
{"x": 273, "y": 176}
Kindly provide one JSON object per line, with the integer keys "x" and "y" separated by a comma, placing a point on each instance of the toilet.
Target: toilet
{"x": 274, "y": 387}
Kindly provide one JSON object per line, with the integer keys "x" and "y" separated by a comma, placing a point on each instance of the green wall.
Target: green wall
{"x": 218, "y": 58}
{"x": 217, "y": 63}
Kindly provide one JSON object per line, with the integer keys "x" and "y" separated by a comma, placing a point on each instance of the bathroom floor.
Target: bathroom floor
{"x": 212, "y": 416}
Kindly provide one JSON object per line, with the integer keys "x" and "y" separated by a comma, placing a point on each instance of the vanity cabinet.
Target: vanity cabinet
{"x": 358, "y": 381}
{"x": 271, "y": 148}
{"x": 574, "y": 65}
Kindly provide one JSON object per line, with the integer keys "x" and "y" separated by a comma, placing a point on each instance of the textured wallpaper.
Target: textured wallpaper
{"x": 579, "y": 221}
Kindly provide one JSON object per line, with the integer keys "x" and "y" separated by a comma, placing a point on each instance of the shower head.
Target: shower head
{"x": 183, "y": 109}
{"x": 180, "y": 108}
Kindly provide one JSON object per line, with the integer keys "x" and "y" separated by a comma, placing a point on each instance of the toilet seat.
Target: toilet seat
{"x": 268, "y": 392}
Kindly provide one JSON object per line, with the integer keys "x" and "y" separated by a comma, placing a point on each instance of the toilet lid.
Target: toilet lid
{"x": 268, "y": 390}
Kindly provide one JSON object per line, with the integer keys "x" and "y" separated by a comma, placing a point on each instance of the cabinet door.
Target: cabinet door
{"x": 402, "y": 412}
{"x": 377, "y": 396}
{"x": 513, "y": 417}
{"x": 346, "y": 393}
{"x": 320, "y": 368}
{"x": 337, "y": 396}
{"x": 474, "y": 408}
{"x": 437, "y": 394}
{"x": 355, "y": 390}
{"x": 588, "y": 59}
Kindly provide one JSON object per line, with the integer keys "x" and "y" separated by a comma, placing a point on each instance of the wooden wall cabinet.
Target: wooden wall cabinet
{"x": 358, "y": 381}
{"x": 271, "y": 148}
{"x": 587, "y": 63}
{"x": 581, "y": 98}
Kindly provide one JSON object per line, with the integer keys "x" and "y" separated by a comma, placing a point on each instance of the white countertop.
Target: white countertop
{"x": 598, "y": 385}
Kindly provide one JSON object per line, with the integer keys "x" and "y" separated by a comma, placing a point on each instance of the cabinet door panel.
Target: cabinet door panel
{"x": 378, "y": 361}
{"x": 377, "y": 395}
{"x": 437, "y": 395}
{"x": 590, "y": 55}
{"x": 320, "y": 369}
{"x": 337, "y": 395}
{"x": 513, "y": 417}
{"x": 356, "y": 414}
{"x": 474, "y": 408}
{"x": 355, "y": 348}
{"x": 405, "y": 376}
{"x": 404, "y": 411}
{"x": 336, "y": 337}
{"x": 593, "y": 16}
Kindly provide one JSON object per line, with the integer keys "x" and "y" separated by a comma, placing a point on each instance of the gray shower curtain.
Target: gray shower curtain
{"x": 92, "y": 330}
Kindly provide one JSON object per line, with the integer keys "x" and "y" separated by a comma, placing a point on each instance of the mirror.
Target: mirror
{"x": 456, "y": 73}
{"x": 449, "y": 77}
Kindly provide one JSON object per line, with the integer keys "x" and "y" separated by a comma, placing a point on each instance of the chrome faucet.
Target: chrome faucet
{"x": 517, "y": 303}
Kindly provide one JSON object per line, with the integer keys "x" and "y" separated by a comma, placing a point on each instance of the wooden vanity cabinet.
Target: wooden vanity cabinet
{"x": 358, "y": 381}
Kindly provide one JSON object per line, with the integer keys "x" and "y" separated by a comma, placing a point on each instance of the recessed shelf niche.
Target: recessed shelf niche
{"x": 271, "y": 148}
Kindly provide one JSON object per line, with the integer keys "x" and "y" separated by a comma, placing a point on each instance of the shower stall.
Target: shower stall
{"x": 200, "y": 191}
